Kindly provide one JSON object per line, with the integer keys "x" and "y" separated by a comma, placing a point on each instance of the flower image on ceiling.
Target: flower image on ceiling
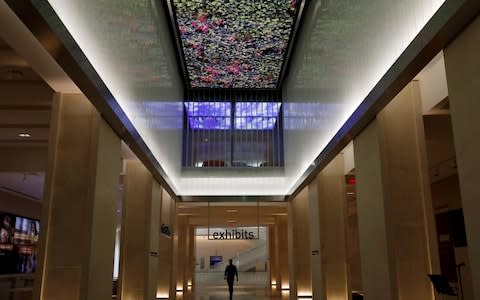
{"x": 234, "y": 43}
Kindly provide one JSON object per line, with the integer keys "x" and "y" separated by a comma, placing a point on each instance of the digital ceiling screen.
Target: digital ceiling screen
{"x": 234, "y": 43}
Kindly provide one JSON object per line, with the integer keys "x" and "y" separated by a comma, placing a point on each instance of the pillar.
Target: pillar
{"x": 190, "y": 258}
{"x": 75, "y": 259}
{"x": 328, "y": 232}
{"x": 180, "y": 254}
{"x": 165, "y": 251}
{"x": 140, "y": 231}
{"x": 318, "y": 278}
{"x": 299, "y": 241}
{"x": 281, "y": 250}
{"x": 395, "y": 213}
{"x": 462, "y": 63}
{"x": 165, "y": 255}
{"x": 273, "y": 263}
{"x": 174, "y": 260}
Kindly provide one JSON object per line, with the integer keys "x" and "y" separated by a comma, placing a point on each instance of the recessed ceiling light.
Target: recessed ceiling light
{"x": 23, "y": 134}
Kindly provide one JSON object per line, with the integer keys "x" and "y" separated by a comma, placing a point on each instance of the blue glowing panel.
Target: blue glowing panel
{"x": 248, "y": 115}
{"x": 256, "y": 115}
{"x": 234, "y": 44}
{"x": 209, "y": 115}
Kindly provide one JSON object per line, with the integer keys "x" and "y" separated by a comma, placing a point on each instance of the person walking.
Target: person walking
{"x": 230, "y": 273}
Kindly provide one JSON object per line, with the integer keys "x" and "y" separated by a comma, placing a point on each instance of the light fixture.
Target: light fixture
{"x": 24, "y": 135}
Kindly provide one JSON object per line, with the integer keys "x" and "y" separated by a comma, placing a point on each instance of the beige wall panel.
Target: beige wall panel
{"x": 153, "y": 241}
{"x": 182, "y": 260}
{"x": 165, "y": 250}
{"x": 272, "y": 258}
{"x": 301, "y": 251}
{"x": 379, "y": 281}
{"x": 190, "y": 258}
{"x": 332, "y": 216}
{"x": 292, "y": 264}
{"x": 462, "y": 62}
{"x": 282, "y": 250}
{"x": 394, "y": 202}
{"x": 407, "y": 190}
{"x": 79, "y": 216}
{"x": 318, "y": 278}
{"x": 140, "y": 222}
{"x": 164, "y": 266}
{"x": 175, "y": 247}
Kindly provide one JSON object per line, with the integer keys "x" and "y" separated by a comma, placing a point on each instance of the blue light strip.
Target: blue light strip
{"x": 216, "y": 115}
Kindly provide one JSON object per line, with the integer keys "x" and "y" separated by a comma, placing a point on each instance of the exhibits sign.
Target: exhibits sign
{"x": 234, "y": 234}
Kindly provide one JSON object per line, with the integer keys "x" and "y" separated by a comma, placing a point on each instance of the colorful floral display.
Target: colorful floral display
{"x": 234, "y": 43}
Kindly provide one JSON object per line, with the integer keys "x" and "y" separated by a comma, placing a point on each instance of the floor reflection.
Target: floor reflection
{"x": 241, "y": 292}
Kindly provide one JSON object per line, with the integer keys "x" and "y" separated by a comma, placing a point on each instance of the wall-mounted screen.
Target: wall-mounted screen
{"x": 18, "y": 244}
{"x": 215, "y": 260}
{"x": 234, "y": 44}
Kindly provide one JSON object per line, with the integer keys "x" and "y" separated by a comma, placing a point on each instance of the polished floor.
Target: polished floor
{"x": 251, "y": 286}
{"x": 241, "y": 292}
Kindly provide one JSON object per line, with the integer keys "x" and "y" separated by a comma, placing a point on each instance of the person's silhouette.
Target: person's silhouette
{"x": 230, "y": 273}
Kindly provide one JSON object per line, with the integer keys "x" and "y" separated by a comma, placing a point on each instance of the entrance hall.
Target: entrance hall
{"x": 327, "y": 148}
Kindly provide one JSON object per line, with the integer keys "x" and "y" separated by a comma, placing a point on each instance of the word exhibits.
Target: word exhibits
{"x": 233, "y": 235}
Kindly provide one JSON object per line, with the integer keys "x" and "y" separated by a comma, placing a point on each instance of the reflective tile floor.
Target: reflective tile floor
{"x": 241, "y": 292}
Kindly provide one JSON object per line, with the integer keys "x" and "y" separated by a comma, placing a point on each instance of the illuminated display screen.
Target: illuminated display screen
{"x": 234, "y": 44}
{"x": 248, "y": 115}
{"x": 18, "y": 244}
{"x": 256, "y": 115}
{"x": 209, "y": 115}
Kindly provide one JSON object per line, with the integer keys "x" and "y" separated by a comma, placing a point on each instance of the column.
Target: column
{"x": 273, "y": 267}
{"x": 395, "y": 214}
{"x": 299, "y": 241}
{"x": 165, "y": 255}
{"x": 175, "y": 255}
{"x": 462, "y": 64}
{"x": 281, "y": 238}
{"x": 328, "y": 232}
{"x": 318, "y": 278}
{"x": 180, "y": 253}
{"x": 165, "y": 251}
{"x": 140, "y": 231}
{"x": 79, "y": 209}
{"x": 190, "y": 258}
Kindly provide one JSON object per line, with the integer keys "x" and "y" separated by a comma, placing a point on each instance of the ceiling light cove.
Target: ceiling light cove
{"x": 234, "y": 43}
